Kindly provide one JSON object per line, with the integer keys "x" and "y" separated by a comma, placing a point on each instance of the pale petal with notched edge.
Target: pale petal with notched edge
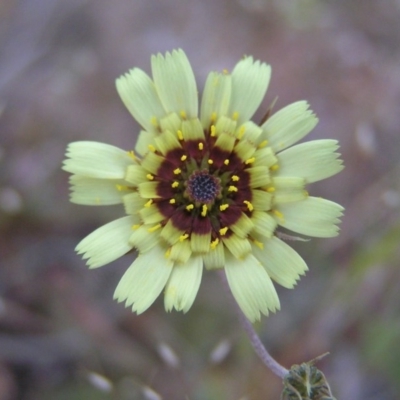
{"x": 312, "y": 161}
{"x": 183, "y": 284}
{"x": 250, "y": 81}
{"x": 216, "y": 98}
{"x": 251, "y": 286}
{"x": 175, "y": 83}
{"x": 313, "y": 217}
{"x": 140, "y": 97}
{"x": 288, "y": 125}
{"x": 96, "y": 192}
{"x": 144, "y": 280}
{"x": 96, "y": 160}
{"x": 283, "y": 264}
{"x": 108, "y": 242}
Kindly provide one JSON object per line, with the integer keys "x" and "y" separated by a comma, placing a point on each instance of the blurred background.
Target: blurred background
{"x": 61, "y": 334}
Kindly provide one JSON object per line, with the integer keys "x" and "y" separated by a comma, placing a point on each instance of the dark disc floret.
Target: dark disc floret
{"x": 203, "y": 187}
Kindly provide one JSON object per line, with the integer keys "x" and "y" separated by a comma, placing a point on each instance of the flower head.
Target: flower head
{"x": 205, "y": 190}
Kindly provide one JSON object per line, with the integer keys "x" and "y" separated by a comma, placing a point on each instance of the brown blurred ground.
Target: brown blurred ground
{"x": 59, "y": 327}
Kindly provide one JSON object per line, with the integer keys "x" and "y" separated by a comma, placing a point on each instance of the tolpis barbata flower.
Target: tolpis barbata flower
{"x": 205, "y": 189}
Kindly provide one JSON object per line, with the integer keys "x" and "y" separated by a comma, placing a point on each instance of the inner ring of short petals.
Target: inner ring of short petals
{"x": 203, "y": 187}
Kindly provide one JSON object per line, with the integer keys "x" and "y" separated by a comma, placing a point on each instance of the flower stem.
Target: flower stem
{"x": 255, "y": 340}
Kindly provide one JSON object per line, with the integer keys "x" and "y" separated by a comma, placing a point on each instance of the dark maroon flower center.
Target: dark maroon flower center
{"x": 203, "y": 187}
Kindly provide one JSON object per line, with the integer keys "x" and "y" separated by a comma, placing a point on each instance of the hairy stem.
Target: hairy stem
{"x": 255, "y": 340}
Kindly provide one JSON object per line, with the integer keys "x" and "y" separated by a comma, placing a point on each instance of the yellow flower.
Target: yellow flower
{"x": 205, "y": 190}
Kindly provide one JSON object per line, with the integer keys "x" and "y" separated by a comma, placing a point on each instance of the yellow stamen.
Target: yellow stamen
{"x": 201, "y": 146}
{"x": 249, "y": 205}
{"x": 172, "y": 201}
{"x": 210, "y": 162}
{"x": 258, "y": 244}
{"x": 154, "y": 228}
{"x": 151, "y": 148}
{"x": 183, "y": 237}
{"x": 121, "y": 187}
{"x": 189, "y": 207}
{"x": 175, "y": 184}
{"x": 177, "y": 171}
{"x": 226, "y": 162}
{"x": 278, "y": 214}
{"x": 274, "y": 167}
{"x": 225, "y": 71}
{"x": 168, "y": 253}
{"x": 154, "y": 121}
{"x": 271, "y": 189}
{"x": 223, "y": 231}
{"x": 241, "y": 132}
{"x": 149, "y": 203}
{"x": 235, "y": 178}
{"x": 183, "y": 158}
{"x": 131, "y": 154}
{"x": 179, "y": 134}
{"x": 232, "y": 189}
{"x": 214, "y": 243}
{"x": 250, "y": 160}
{"x": 150, "y": 177}
{"x": 182, "y": 114}
{"x": 213, "y": 130}
{"x": 306, "y": 193}
{"x": 235, "y": 116}
{"x": 213, "y": 117}
{"x": 223, "y": 207}
{"x": 204, "y": 210}
{"x": 136, "y": 226}
{"x": 263, "y": 144}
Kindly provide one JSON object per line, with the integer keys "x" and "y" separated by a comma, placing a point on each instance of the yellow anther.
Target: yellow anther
{"x": 189, "y": 207}
{"x": 210, "y": 162}
{"x": 271, "y": 189}
{"x": 201, "y": 146}
{"x": 223, "y": 207}
{"x": 154, "y": 228}
{"x": 204, "y": 210}
{"x": 154, "y": 121}
{"x": 150, "y": 177}
{"x": 121, "y": 187}
{"x": 177, "y": 171}
{"x": 213, "y": 130}
{"x": 258, "y": 244}
{"x": 306, "y": 193}
{"x": 249, "y": 205}
{"x": 226, "y": 162}
{"x": 175, "y": 184}
{"x": 136, "y": 226}
{"x": 172, "y": 201}
{"x": 274, "y": 167}
{"x": 214, "y": 243}
{"x": 225, "y": 71}
{"x": 183, "y": 237}
{"x": 179, "y": 134}
{"x": 213, "y": 117}
{"x": 183, "y": 158}
{"x": 223, "y": 231}
{"x": 235, "y": 178}
{"x": 241, "y": 132}
{"x": 278, "y": 214}
{"x": 151, "y": 148}
{"x": 232, "y": 189}
{"x": 235, "y": 116}
{"x": 263, "y": 144}
{"x": 168, "y": 253}
{"x": 250, "y": 160}
{"x": 182, "y": 114}
{"x": 149, "y": 203}
{"x": 131, "y": 154}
